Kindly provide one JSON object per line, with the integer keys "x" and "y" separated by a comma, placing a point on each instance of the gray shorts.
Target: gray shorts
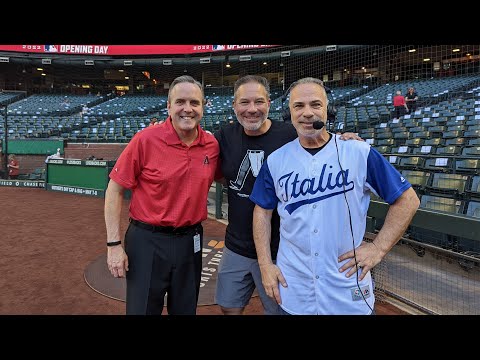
{"x": 236, "y": 280}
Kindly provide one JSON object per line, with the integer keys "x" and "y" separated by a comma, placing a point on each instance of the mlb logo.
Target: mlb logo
{"x": 218, "y": 47}
{"x": 360, "y": 293}
{"x": 50, "y": 48}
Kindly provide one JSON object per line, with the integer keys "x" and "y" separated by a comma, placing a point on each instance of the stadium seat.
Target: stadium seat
{"x": 443, "y": 204}
{"x": 473, "y": 151}
{"x": 418, "y": 179}
{"x": 411, "y": 162}
{"x": 473, "y": 209}
{"x": 471, "y": 166}
{"x": 443, "y": 184}
{"x": 449, "y": 150}
{"x": 474, "y": 188}
{"x": 439, "y": 164}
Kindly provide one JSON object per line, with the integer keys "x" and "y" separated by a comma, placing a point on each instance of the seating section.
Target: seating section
{"x": 437, "y": 148}
{"x": 50, "y": 105}
{"x": 8, "y": 97}
{"x": 129, "y": 105}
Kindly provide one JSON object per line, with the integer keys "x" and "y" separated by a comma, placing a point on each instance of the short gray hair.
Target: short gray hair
{"x": 308, "y": 80}
{"x": 185, "y": 79}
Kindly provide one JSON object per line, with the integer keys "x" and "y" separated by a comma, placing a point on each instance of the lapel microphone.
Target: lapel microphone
{"x": 317, "y": 125}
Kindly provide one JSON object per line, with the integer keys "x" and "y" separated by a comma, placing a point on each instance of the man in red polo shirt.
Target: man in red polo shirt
{"x": 399, "y": 104}
{"x": 169, "y": 169}
{"x": 13, "y": 167}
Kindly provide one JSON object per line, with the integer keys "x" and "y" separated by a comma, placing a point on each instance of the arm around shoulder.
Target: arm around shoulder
{"x": 350, "y": 136}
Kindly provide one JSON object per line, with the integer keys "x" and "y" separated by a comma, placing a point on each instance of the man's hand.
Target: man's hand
{"x": 271, "y": 276}
{"x": 117, "y": 261}
{"x": 365, "y": 257}
{"x": 350, "y": 136}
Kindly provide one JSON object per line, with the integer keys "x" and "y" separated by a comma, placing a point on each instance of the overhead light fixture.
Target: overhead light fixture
{"x": 455, "y": 50}
{"x": 412, "y": 50}
{"x": 228, "y": 65}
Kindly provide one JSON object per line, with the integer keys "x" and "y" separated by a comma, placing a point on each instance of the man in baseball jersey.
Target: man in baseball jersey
{"x": 321, "y": 189}
{"x": 244, "y": 147}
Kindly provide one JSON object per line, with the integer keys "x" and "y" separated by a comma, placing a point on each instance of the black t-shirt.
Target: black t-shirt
{"x": 411, "y": 97}
{"x": 241, "y": 158}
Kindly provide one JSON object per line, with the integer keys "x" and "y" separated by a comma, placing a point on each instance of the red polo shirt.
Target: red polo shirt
{"x": 169, "y": 180}
{"x": 398, "y": 100}
{"x": 14, "y": 171}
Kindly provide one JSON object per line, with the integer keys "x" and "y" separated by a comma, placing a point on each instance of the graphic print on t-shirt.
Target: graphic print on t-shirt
{"x": 252, "y": 161}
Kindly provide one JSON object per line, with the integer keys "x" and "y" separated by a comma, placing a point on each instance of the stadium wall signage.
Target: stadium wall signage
{"x": 127, "y": 49}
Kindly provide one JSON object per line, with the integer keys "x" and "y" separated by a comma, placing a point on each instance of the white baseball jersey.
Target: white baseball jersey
{"x": 308, "y": 192}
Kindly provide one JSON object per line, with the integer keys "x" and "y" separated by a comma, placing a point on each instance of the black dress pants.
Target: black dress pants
{"x": 162, "y": 263}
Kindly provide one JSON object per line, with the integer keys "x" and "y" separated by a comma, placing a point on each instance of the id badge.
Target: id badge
{"x": 196, "y": 243}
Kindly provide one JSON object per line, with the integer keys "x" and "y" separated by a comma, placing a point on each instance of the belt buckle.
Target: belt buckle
{"x": 179, "y": 230}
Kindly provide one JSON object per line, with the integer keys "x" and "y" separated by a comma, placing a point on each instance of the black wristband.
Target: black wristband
{"x": 114, "y": 243}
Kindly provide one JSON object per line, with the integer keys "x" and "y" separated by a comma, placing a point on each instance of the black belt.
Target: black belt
{"x": 164, "y": 229}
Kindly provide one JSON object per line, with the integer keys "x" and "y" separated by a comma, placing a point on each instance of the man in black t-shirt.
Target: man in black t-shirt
{"x": 244, "y": 146}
